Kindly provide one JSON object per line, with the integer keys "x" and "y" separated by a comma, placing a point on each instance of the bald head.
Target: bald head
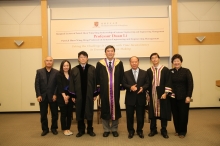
{"x": 133, "y": 58}
{"x": 48, "y": 62}
{"x": 134, "y": 62}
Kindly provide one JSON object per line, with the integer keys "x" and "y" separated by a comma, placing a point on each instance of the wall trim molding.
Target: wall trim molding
{"x": 211, "y": 38}
{"x": 30, "y": 42}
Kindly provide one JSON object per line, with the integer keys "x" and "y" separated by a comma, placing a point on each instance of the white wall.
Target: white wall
{"x": 201, "y": 16}
{"x": 18, "y": 66}
{"x": 20, "y": 18}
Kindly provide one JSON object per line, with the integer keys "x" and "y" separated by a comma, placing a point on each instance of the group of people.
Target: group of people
{"x": 165, "y": 91}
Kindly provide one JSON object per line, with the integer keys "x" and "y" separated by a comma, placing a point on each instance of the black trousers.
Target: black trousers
{"x": 81, "y": 123}
{"x": 81, "y": 126}
{"x": 153, "y": 124}
{"x": 66, "y": 116}
{"x": 140, "y": 110}
{"x": 44, "y": 111}
{"x": 180, "y": 111}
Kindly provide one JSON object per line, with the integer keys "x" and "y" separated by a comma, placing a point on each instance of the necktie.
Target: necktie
{"x": 83, "y": 68}
{"x": 110, "y": 66}
{"x": 135, "y": 76}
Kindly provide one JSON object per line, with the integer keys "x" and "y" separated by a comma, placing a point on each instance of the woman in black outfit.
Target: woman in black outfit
{"x": 182, "y": 82}
{"x": 63, "y": 99}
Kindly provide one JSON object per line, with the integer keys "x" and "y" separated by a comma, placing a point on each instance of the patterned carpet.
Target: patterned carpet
{"x": 23, "y": 129}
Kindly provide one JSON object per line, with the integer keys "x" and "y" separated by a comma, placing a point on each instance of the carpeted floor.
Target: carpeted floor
{"x": 23, "y": 129}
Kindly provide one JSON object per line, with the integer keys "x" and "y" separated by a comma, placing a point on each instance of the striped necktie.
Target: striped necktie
{"x": 110, "y": 66}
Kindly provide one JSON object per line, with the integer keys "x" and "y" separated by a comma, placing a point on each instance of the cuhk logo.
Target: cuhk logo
{"x": 96, "y": 24}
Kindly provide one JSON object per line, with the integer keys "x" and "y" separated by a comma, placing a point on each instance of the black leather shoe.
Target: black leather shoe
{"x": 152, "y": 133}
{"x": 140, "y": 134}
{"x": 54, "y": 131}
{"x": 91, "y": 133}
{"x": 115, "y": 134}
{"x": 44, "y": 132}
{"x": 130, "y": 135}
{"x": 165, "y": 135}
{"x": 79, "y": 134}
{"x": 106, "y": 134}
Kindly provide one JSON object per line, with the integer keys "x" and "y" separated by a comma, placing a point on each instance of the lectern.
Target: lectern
{"x": 218, "y": 83}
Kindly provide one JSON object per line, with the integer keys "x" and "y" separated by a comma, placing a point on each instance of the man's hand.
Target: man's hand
{"x": 39, "y": 98}
{"x": 187, "y": 100}
{"x": 66, "y": 99}
{"x": 54, "y": 98}
{"x": 148, "y": 98}
{"x": 164, "y": 96}
{"x": 141, "y": 90}
{"x": 134, "y": 88}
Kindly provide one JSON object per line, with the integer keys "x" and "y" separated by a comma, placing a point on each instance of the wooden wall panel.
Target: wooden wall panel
{"x": 29, "y": 42}
{"x": 212, "y": 38}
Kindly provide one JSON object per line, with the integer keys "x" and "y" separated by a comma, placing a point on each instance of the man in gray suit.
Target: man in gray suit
{"x": 136, "y": 82}
{"x": 45, "y": 87}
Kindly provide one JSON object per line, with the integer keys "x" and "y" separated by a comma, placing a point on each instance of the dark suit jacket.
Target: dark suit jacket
{"x": 131, "y": 98}
{"x": 42, "y": 88}
{"x": 182, "y": 83}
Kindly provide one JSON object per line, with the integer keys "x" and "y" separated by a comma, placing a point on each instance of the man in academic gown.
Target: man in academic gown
{"x": 159, "y": 89}
{"x": 83, "y": 86}
{"x": 109, "y": 74}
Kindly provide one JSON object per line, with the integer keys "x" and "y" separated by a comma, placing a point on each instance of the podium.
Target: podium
{"x": 218, "y": 83}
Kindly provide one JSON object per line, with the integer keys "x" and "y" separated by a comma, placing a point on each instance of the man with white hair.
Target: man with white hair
{"x": 45, "y": 87}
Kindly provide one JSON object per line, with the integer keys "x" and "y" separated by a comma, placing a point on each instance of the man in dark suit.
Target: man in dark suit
{"x": 45, "y": 87}
{"x": 135, "y": 81}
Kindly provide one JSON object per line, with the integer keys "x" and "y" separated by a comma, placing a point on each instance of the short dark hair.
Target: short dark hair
{"x": 61, "y": 66}
{"x": 132, "y": 57}
{"x": 154, "y": 54}
{"x": 109, "y": 46}
{"x": 177, "y": 56}
{"x": 82, "y": 53}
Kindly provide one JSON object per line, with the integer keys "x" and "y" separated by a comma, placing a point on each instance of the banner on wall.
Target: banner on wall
{"x": 130, "y": 37}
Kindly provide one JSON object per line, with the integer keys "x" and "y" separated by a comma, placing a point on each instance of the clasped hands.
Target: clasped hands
{"x": 66, "y": 99}
{"x": 134, "y": 88}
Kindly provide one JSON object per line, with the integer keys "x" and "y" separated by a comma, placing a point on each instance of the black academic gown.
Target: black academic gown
{"x": 103, "y": 82}
{"x": 83, "y": 87}
{"x": 165, "y": 81}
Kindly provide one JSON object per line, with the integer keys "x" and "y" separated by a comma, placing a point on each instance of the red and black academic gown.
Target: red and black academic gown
{"x": 83, "y": 85}
{"x": 159, "y": 108}
{"x": 110, "y": 83}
